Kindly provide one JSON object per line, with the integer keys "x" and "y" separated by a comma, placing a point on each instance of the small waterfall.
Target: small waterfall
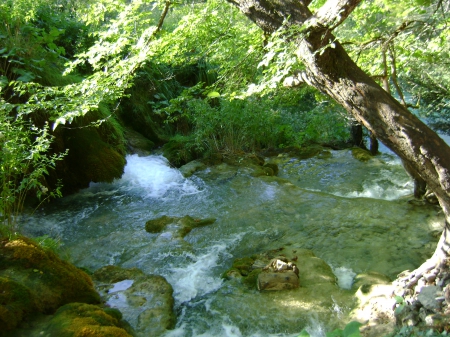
{"x": 152, "y": 177}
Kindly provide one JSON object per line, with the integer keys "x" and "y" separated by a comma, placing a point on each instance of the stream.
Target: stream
{"x": 354, "y": 215}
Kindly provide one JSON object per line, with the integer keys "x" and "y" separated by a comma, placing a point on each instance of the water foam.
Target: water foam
{"x": 345, "y": 277}
{"x": 154, "y": 176}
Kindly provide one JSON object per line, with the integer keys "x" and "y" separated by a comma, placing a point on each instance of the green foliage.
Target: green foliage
{"x": 414, "y": 37}
{"x": 285, "y": 118}
{"x": 223, "y": 51}
{"x": 48, "y": 243}
{"x": 24, "y": 164}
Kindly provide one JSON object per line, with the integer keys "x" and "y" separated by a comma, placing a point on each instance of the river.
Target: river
{"x": 354, "y": 215}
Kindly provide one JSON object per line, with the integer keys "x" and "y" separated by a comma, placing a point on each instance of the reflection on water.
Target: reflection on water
{"x": 347, "y": 212}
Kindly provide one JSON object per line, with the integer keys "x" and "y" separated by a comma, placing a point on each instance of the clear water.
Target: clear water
{"x": 351, "y": 214}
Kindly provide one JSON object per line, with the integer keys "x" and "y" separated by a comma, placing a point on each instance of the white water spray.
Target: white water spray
{"x": 155, "y": 177}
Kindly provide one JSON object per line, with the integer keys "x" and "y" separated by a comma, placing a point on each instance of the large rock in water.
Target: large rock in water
{"x": 184, "y": 225}
{"x": 279, "y": 275}
{"x": 33, "y": 280}
{"x": 145, "y": 301}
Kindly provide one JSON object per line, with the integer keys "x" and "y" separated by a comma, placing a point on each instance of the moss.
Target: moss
{"x": 16, "y": 302}
{"x": 38, "y": 281}
{"x": 114, "y": 274}
{"x": 252, "y": 278}
{"x": 187, "y": 223}
{"x": 243, "y": 265}
{"x": 80, "y": 319}
{"x": 90, "y": 159}
{"x": 157, "y": 225}
{"x": 304, "y": 152}
{"x": 361, "y": 154}
{"x": 273, "y": 167}
{"x": 180, "y": 150}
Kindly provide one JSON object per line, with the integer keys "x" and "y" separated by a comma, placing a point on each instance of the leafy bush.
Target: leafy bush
{"x": 234, "y": 125}
{"x": 24, "y": 163}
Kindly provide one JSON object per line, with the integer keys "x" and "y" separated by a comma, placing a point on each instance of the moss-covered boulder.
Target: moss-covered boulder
{"x": 90, "y": 159}
{"x": 183, "y": 225}
{"x": 86, "y": 320}
{"x": 146, "y": 301}
{"x": 180, "y": 150}
{"x": 33, "y": 280}
{"x": 361, "y": 154}
{"x": 137, "y": 143}
{"x": 313, "y": 270}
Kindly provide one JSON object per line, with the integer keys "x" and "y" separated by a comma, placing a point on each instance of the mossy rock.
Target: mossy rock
{"x": 33, "y": 281}
{"x": 137, "y": 143}
{"x": 273, "y": 167}
{"x": 90, "y": 159}
{"x": 190, "y": 168}
{"x": 147, "y": 301}
{"x": 86, "y": 320}
{"x": 361, "y": 154}
{"x": 186, "y": 224}
{"x": 180, "y": 151}
{"x": 304, "y": 152}
{"x": 313, "y": 270}
{"x": 114, "y": 274}
{"x": 158, "y": 225}
{"x": 244, "y": 265}
{"x": 16, "y": 302}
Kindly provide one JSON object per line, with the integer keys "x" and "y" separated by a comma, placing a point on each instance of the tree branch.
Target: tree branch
{"x": 333, "y": 13}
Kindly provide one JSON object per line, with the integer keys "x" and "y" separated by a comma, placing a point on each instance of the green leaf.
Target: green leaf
{"x": 352, "y": 329}
{"x": 335, "y": 333}
{"x": 304, "y": 333}
{"x": 399, "y": 300}
{"x": 213, "y": 94}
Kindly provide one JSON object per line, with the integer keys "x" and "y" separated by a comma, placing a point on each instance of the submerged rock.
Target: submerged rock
{"x": 146, "y": 301}
{"x": 185, "y": 224}
{"x": 282, "y": 269}
{"x": 361, "y": 154}
{"x": 190, "y": 168}
{"x": 33, "y": 280}
{"x": 284, "y": 280}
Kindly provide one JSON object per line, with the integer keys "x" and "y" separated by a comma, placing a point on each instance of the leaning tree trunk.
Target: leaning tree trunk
{"x": 330, "y": 69}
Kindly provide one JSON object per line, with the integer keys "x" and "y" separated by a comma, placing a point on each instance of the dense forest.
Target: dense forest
{"x": 84, "y": 83}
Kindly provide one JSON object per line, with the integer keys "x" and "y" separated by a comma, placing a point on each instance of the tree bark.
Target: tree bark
{"x": 330, "y": 69}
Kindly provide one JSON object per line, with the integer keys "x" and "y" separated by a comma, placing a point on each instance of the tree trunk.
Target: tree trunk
{"x": 330, "y": 69}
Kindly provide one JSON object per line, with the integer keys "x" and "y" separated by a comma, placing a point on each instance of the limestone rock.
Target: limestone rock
{"x": 427, "y": 297}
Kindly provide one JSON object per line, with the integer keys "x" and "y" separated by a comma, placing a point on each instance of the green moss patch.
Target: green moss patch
{"x": 33, "y": 280}
{"x": 361, "y": 154}
{"x": 186, "y": 224}
{"x": 80, "y": 319}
